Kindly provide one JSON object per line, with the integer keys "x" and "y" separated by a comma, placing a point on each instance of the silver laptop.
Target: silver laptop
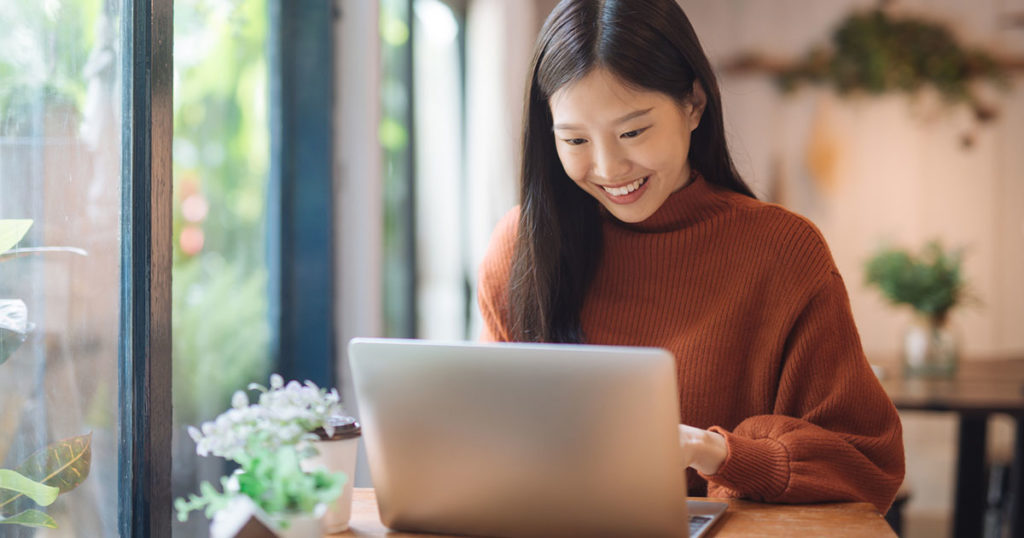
{"x": 522, "y": 440}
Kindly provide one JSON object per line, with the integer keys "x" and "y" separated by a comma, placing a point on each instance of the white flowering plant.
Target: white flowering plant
{"x": 288, "y": 414}
{"x": 268, "y": 439}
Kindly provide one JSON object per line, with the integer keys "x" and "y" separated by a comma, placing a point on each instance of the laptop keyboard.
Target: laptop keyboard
{"x": 698, "y": 524}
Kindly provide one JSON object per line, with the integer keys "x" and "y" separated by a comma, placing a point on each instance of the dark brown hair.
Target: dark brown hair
{"x": 648, "y": 44}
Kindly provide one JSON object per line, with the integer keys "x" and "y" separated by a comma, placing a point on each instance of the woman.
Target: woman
{"x": 634, "y": 228}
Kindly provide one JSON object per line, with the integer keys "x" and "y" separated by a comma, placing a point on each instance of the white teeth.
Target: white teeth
{"x": 622, "y": 191}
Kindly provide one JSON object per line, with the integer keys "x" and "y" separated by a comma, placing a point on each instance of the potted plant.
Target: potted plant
{"x": 286, "y": 499}
{"x": 932, "y": 284}
{"x": 272, "y": 440}
{"x": 334, "y": 438}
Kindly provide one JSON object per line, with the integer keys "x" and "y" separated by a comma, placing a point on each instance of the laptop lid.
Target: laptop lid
{"x": 521, "y": 440}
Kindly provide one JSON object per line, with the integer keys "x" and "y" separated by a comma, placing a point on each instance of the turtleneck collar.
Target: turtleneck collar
{"x": 695, "y": 202}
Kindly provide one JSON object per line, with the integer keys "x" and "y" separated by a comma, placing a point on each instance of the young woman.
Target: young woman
{"x": 634, "y": 228}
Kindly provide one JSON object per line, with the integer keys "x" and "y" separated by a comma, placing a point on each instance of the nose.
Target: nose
{"x": 610, "y": 162}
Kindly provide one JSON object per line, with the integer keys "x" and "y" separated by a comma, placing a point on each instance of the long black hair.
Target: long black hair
{"x": 649, "y": 44}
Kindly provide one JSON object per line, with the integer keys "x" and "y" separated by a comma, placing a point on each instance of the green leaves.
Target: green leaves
{"x": 13, "y": 314}
{"x": 64, "y": 465}
{"x": 30, "y": 518}
{"x": 930, "y": 282}
{"x": 277, "y": 483}
{"x": 14, "y": 326}
{"x": 40, "y": 493}
{"x": 11, "y": 232}
{"x": 874, "y": 52}
{"x": 19, "y": 484}
{"x": 274, "y": 480}
{"x": 209, "y": 499}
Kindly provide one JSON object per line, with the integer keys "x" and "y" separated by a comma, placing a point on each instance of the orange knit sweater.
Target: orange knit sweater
{"x": 747, "y": 297}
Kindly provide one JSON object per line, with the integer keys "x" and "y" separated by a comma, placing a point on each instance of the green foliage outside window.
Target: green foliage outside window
{"x": 220, "y": 330}
{"x": 393, "y": 136}
{"x": 44, "y": 46}
{"x": 221, "y": 147}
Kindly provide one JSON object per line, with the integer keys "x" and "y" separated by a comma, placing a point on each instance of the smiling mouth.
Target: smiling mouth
{"x": 625, "y": 189}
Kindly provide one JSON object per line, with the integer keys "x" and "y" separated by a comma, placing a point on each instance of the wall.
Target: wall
{"x": 358, "y": 161}
{"x": 899, "y": 171}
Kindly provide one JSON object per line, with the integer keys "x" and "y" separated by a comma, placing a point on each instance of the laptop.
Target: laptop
{"x": 524, "y": 440}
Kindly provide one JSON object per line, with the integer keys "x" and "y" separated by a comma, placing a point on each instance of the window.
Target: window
{"x": 442, "y": 289}
{"x": 84, "y": 162}
{"x": 84, "y": 314}
{"x": 395, "y": 130}
{"x": 60, "y": 182}
{"x": 221, "y": 330}
{"x": 87, "y": 245}
{"x": 427, "y": 270}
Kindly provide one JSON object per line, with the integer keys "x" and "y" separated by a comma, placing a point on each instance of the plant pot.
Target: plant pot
{"x": 930, "y": 350}
{"x": 241, "y": 518}
{"x": 301, "y": 525}
{"x": 337, "y": 454}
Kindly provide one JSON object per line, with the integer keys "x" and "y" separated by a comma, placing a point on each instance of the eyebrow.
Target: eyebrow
{"x": 623, "y": 119}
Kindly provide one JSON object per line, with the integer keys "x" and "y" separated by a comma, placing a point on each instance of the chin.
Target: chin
{"x": 630, "y": 217}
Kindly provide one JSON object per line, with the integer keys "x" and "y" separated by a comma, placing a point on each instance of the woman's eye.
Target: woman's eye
{"x": 575, "y": 141}
{"x": 634, "y": 133}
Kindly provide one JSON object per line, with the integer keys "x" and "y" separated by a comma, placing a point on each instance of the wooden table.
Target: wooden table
{"x": 980, "y": 388}
{"x": 743, "y": 518}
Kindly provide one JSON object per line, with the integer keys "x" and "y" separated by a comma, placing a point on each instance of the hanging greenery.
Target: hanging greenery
{"x": 876, "y": 53}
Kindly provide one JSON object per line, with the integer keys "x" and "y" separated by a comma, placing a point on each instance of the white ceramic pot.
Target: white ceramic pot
{"x": 301, "y": 526}
{"x": 242, "y": 516}
{"x": 338, "y": 454}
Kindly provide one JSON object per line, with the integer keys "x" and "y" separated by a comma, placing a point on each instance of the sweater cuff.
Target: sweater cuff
{"x": 754, "y": 468}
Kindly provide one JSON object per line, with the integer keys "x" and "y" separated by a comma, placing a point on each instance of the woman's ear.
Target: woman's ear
{"x": 698, "y": 100}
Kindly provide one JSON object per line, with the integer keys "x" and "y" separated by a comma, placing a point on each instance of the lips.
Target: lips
{"x": 625, "y": 189}
{"x": 626, "y": 193}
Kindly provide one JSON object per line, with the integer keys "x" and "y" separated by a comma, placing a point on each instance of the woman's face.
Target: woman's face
{"x": 625, "y": 147}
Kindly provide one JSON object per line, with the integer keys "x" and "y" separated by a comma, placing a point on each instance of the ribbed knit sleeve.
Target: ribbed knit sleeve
{"x": 834, "y": 434}
{"x": 492, "y": 285}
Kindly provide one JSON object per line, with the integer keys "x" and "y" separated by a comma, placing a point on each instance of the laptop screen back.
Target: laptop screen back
{"x": 521, "y": 439}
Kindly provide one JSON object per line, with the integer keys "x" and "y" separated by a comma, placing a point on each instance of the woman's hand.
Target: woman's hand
{"x": 703, "y": 450}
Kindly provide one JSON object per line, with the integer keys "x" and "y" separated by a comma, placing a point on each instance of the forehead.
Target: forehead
{"x": 599, "y": 98}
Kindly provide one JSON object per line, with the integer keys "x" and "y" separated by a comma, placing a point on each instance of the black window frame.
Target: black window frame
{"x": 300, "y": 212}
{"x": 144, "y": 362}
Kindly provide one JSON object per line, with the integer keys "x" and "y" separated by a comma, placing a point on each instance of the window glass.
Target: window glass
{"x": 60, "y": 199}
{"x": 394, "y": 133}
{"x": 441, "y": 235}
{"x": 221, "y": 335}
{"x": 426, "y": 281}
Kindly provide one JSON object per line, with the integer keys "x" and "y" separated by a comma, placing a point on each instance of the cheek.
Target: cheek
{"x": 667, "y": 153}
{"x": 652, "y": 156}
{"x": 574, "y": 163}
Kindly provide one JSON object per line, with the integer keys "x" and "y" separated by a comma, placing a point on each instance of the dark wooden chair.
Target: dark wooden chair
{"x": 894, "y": 517}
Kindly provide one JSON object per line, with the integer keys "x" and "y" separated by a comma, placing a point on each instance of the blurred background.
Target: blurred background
{"x": 423, "y": 108}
